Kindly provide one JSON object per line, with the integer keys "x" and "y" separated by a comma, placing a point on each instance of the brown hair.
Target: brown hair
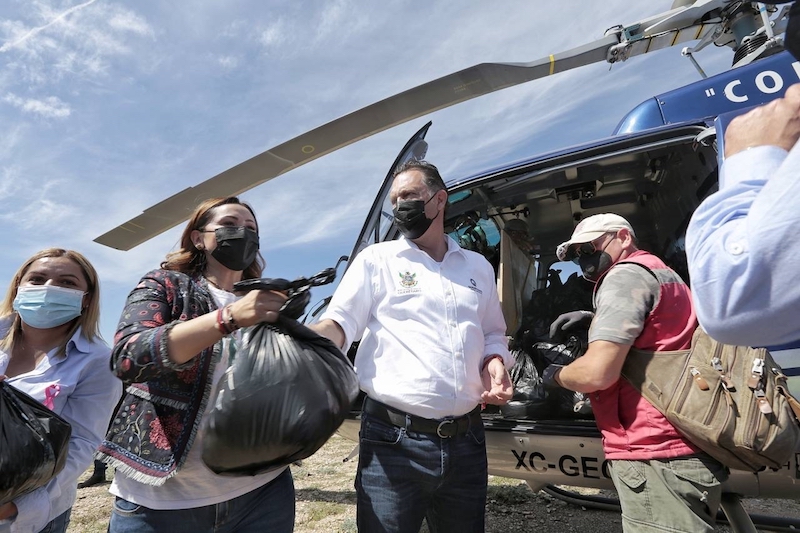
{"x": 188, "y": 259}
{"x": 89, "y": 318}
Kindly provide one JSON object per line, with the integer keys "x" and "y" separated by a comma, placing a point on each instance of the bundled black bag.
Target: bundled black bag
{"x": 548, "y": 353}
{"x": 531, "y": 400}
{"x": 564, "y": 403}
{"x": 33, "y": 443}
{"x": 286, "y": 392}
{"x": 530, "y": 397}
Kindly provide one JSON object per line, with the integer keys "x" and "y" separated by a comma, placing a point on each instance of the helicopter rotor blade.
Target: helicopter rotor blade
{"x": 449, "y": 90}
{"x": 619, "y": 44}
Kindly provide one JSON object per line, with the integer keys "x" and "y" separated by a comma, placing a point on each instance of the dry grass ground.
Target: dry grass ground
{"x": 326, "y": 503}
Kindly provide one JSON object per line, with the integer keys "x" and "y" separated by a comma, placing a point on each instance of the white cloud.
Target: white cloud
{"x": 332, "y": 18}
{"x": 228, "y": 62}
{"x": 10, "y": 181}
{"x": 79, "y": 43}
{"x": 17, "y": 41}
{"x": 235, "y": 29}
{"x": 49, "y": 107}
{"x": 274, "y": 35}
{"x": 41, "y": 212}
{"x": 12, "y": 136}
{"x": 131, "y": 22}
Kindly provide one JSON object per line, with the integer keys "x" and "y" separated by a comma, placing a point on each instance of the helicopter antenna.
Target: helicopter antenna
{"x": 687, "y": 52}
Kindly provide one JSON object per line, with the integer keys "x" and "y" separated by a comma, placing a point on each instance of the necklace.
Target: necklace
{"x": 214, "y": 284}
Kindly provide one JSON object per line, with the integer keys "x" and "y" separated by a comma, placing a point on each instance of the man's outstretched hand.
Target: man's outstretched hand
{"x": 497, "y": 383}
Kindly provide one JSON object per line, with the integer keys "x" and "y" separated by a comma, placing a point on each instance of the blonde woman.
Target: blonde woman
{"x": 50, "y": 349}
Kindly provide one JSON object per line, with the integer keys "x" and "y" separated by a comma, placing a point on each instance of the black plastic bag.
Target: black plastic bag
{"x": 530, "y": 399}
{"x": 547, "y": 304}
{"x": 548, "y": 353}
{"x": 33, "y": 443}
{"x": 287, "y": 391}
{"x": 565, "y": 403}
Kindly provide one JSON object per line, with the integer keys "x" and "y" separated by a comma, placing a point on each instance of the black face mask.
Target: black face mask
{"x": 409, "y": 215}
{"x": 237, "y": 247}
{"x": 594, "y": 265}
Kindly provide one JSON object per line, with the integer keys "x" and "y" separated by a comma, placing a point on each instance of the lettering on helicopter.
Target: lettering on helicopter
{"x": 592, "y": 467}
{"x": 734, "y": 90}
{"x": 766, "y": 82}
{"x": 584, "y": 466}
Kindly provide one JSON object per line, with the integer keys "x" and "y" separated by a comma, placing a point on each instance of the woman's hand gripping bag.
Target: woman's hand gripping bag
{"x": 286, "y": 392}
{"x": 33, "y": 443}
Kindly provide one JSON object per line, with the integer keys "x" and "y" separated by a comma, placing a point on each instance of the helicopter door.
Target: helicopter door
{"x": 380, "y": 219}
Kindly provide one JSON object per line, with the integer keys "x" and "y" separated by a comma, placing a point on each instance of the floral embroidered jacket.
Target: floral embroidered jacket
{"x": 150, "y": 436}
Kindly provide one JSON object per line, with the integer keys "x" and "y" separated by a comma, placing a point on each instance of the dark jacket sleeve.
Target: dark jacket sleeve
{"x": 159, "y": 301}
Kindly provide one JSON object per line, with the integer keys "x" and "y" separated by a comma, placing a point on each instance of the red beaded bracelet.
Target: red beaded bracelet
{"x": 221, "y": 326}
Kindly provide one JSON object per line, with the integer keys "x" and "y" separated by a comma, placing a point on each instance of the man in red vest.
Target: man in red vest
{"x": 665, "y": 483}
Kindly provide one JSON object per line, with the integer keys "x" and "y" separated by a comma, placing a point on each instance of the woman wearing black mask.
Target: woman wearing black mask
{"x": 177, "y": 333}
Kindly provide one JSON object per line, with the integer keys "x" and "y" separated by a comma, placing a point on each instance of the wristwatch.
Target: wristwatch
{"x": 550, "y": 376}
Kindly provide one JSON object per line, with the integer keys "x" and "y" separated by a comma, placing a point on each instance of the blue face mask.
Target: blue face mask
{"x": 47, "y": 306}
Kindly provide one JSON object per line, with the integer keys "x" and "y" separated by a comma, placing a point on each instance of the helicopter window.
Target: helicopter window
{"x": 386, "y": 220}
{"x": 458, "y": 196}
{"x": 565, "y": 269}
{"x": 478, "y": 234}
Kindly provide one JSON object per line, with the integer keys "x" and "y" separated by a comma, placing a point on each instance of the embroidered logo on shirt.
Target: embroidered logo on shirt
{"x": 408, "y": 279}
{"x": 474, "y": 286}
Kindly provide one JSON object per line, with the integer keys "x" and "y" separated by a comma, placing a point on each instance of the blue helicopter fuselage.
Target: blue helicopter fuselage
{"x": 733, "y": 90}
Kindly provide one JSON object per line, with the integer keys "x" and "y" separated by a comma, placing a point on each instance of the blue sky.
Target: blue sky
{"x": 109, "y": 107}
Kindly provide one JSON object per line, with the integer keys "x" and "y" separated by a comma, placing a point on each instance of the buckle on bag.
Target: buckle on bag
{"x": 443, "y": 424}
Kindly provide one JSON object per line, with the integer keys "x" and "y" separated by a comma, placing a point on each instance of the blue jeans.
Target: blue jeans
{"x": 266, "y": 509}
{"x": 58, "y": 524}
{"x": 404, "y": 476}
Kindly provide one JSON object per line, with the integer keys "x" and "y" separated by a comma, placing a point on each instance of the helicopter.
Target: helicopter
{"x": 655, "y": 168}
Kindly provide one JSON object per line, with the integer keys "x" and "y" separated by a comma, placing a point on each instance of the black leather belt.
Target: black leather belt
{"x": 444, "y": 427}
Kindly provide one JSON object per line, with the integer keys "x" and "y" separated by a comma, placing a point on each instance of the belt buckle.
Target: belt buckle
{"x": 444, "y": 424}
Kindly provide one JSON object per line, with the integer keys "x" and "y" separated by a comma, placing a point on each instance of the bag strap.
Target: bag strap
{"x": 649, "y": 395}
{"x": 650, "y": 270}
{"x": 647, "y": 268}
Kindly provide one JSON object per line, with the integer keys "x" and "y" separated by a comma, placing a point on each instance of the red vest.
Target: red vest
{"x": 632, "y": 428}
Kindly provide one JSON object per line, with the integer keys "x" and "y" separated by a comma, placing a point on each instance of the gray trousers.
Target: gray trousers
{"x": 674, "y": 495}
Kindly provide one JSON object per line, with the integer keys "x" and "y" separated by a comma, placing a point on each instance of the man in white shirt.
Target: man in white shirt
{"x": 433, "y": 348}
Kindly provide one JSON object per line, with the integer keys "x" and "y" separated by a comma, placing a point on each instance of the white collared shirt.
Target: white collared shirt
{"x": 427, "y": 326}
{"x": 80, "y": 387}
